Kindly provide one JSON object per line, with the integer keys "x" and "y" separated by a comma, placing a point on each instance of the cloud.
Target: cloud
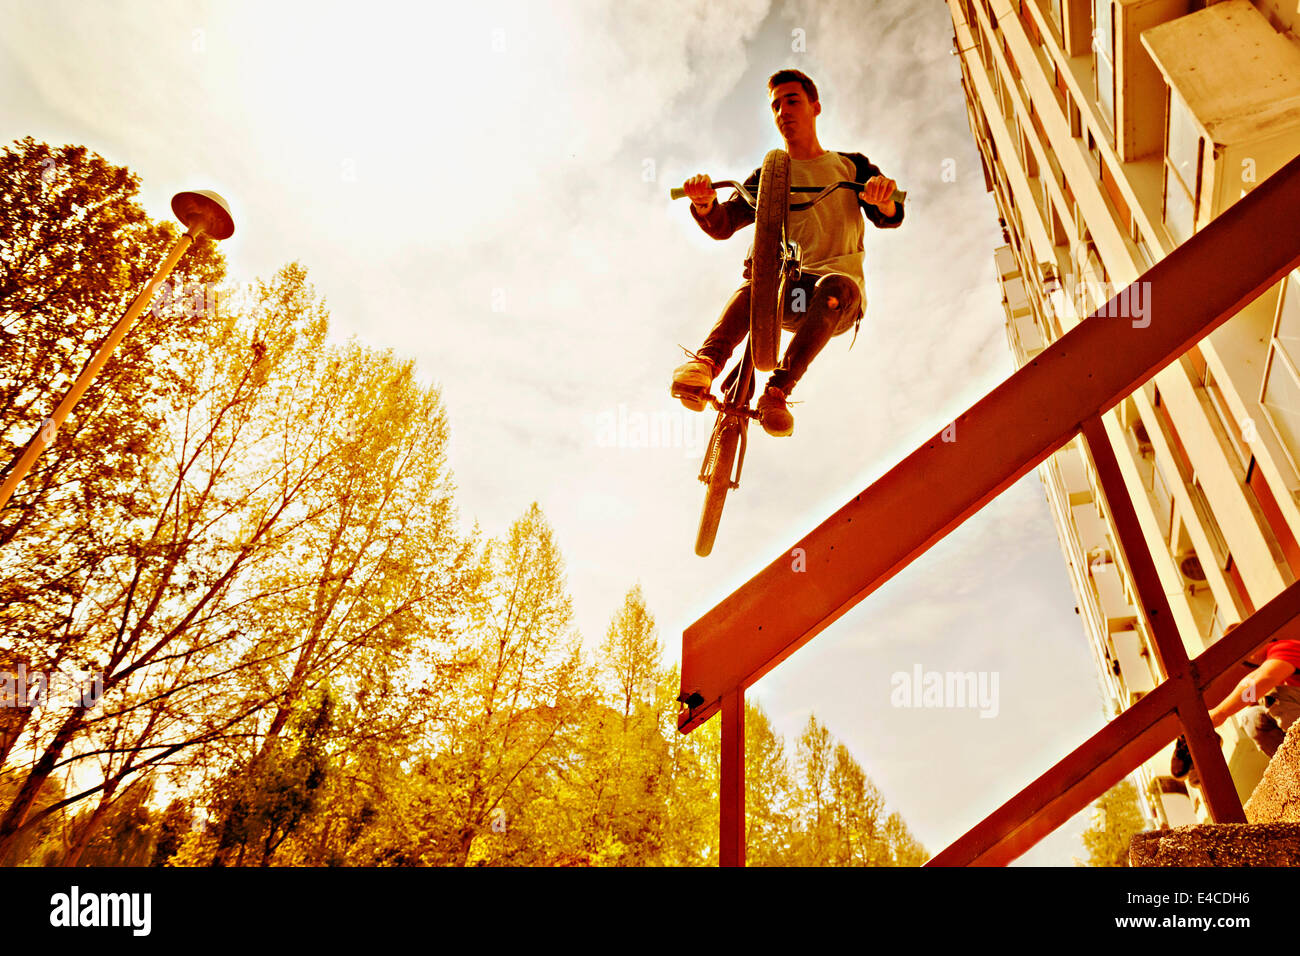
{"x": 484, "y": 187}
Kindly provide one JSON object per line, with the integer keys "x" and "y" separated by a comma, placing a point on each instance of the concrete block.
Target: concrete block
{"x": 1218, "y": 844}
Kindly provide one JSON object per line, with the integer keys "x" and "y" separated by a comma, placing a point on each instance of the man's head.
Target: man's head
{"x": 794, "y": 105}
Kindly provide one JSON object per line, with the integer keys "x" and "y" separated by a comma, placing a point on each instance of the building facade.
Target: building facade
{"x": 1110, "y": 131}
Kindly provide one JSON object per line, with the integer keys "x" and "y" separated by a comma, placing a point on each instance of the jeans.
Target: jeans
{"x": 1267, "y": 722}
{"x": 804, "y": 310}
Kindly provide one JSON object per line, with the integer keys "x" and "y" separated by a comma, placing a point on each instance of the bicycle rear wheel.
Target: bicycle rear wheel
{"x": 765, "y": 268}
{"x": 722, "y": 452}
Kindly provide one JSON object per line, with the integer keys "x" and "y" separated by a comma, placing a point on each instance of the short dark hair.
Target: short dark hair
{"x": 794, "y": 76}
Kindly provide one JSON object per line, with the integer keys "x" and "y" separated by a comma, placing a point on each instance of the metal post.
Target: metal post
{"x": 1220, "y": 792}
{"x": 204, "y": 212}
{"x": 731, "y": 808}
{"x": 42, "y": 439}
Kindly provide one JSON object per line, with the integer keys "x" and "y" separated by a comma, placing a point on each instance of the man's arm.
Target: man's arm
{"x": 864, "y": 169}
{"x": 723, "y": 218}
{"x": 1252, "y": 688}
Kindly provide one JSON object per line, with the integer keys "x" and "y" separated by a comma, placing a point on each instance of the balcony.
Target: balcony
{"x": 1108, "y": 579}
{"x": 1134, "y": 664}
{"x": 1233, "y": 108}
{"x": 1139, "y": 89}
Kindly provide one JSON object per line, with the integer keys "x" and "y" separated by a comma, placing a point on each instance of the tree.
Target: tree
{"x": 841, "y": 814}
{"x": 75, "y": 250}
{"x": 814, "y": 753}
{"x": 903, "y": 847}
{"x": 860, "y": 838}
{"x": 1118, "y": 820}
{"x": 693, "y": 786}
{"x": 520, "y": 687}
{"x": 618, "y": 766}
{"x": 263, "y": 803}
{"x": 116, "y": 832}
{"x": 298, "y": 528}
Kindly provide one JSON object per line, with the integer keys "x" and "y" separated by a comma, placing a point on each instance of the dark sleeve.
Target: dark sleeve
{"x": 726, "y": 217}
{"x": 865, "y": 170}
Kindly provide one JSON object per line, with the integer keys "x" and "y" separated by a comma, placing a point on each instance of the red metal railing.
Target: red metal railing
{"x": 1059, "y": 393}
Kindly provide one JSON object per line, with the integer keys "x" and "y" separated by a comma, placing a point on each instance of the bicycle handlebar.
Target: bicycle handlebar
{"x": 677, "y": 192}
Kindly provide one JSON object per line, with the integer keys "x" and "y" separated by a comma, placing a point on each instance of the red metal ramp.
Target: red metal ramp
{"x": 1061, "y": 392}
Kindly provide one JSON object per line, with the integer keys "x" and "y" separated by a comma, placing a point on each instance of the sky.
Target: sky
{"x": 484, "y": 187}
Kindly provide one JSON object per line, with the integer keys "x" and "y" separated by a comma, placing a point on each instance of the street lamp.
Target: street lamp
{"x": 204, "y": 213}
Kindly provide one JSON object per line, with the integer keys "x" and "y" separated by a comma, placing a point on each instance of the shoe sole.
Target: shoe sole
{"x": 693, "y": 397}
{"x": 774, "y": 432}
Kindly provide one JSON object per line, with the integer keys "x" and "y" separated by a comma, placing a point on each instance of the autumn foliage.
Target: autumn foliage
{"x": 250, "y": 532}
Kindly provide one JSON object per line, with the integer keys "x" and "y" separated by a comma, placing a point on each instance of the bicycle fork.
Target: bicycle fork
{"x": 735, "y": 413}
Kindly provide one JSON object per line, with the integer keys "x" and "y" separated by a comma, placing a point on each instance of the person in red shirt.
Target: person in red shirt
{"x": 1271, "y": 691}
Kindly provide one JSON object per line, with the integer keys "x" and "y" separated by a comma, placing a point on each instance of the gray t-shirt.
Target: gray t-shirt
{"x": 831, "y": 232}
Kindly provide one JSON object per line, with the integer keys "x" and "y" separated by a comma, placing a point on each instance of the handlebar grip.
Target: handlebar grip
{"x": 677, "y": 192}
{"x": 898, "y": 195}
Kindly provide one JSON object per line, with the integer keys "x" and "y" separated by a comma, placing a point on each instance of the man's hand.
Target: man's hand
{"x": 700, "y": 193}
{"x": 877, "y": 192}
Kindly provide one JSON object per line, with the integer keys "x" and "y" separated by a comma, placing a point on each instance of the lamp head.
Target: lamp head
{"x": 203, "y": 211}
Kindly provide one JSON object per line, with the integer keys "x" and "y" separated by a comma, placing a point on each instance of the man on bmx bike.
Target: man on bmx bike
{"x": 830, "y": 296}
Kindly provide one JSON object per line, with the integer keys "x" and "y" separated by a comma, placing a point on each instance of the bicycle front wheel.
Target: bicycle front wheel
{"x": 722, "y": 454}
{"x": 765, "y": 268}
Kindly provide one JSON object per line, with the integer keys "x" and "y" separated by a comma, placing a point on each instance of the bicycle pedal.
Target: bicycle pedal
{"x": 696, "y": 399}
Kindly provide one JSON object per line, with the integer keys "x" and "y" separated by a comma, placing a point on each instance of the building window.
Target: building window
{"x": 1054, "y": 11}
{"x": 1184, "y": 141}
{"x": 1282, "y": 399}
{"x": 1239, "y": 586}
{"x": 1288, "y": 318}
{"x": 1236, "y": 440}
{"x": 1164, "y": 500}
{"x": 1103, "y": 45}
{"x": 1062, "y": 91}
{"x": 1178, "y": 209}
{"x": 1277, "y": 533}
{"x": 1028, "y": 159}
{"x": 1183, "y": 158}
{"x": 1281, "y": 392}
{"x": 1217, "y": 625}
{"x": 1201, "y": 505}
{"x": 1051, "y": 219}
{"x": 1011, "y": 60}
{"x": 1116, "y": 197}
{"x": 1139, "y": 237}
{"x": 1182, "y": 459}
{"x": 1031, "y": 28}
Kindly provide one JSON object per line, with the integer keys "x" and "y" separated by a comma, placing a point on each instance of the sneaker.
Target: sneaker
{"x": 1180, "y": 764}
{"x": 691, "y": 382}
{"x": 773, "y": 414}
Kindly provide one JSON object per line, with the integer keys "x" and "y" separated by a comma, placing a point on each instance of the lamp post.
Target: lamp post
{"x": 204, "y": 213}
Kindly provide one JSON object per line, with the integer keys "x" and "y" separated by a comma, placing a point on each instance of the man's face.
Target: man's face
{"x": 794, "y": 115}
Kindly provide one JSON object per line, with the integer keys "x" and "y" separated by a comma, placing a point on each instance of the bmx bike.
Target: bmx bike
{"x": 775, "y": 262}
